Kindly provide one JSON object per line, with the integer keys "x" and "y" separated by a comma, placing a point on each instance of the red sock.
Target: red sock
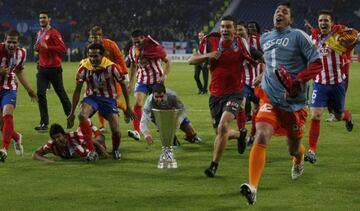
{"x": 115, "y": 141}
{"x": 86, "y": 131}
{"x": 314, "y": 133}
{"x": 15, "y": 136}
{"x": 136, "y": 123}
{"x": 346, "y": 115}
{"x": 7, "y": 130}
{"x": 241, "y": 119}
{"x": 253, "y": 124}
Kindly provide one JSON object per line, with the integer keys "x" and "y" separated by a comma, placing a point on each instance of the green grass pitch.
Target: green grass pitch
{"x": 135, "y": 183}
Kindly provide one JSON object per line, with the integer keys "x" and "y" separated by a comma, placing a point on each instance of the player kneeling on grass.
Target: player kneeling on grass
{"x": 70, "y": 145}
{"x": 164, "y": 99}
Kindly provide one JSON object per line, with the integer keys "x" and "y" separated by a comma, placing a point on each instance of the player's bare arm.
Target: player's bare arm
{"x": 129, "y": 112}
{"x": 3, "y": 71}
{"x": 39, "y": 155}
{"x": 167, "y": 68}
{"x": 21, "y": 77}
{"x": 103, "y": 151}
{"x": 75, "y": 101}
{"x": 307, "y": 25}
{"x": 200, "y": 58}
{"x": 133, "y": 70}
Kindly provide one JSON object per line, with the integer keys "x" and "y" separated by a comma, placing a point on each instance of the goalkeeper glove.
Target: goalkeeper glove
{"x": 293, "y": 87}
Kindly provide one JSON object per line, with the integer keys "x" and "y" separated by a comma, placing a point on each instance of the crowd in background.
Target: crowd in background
{"x": 165, "y": 20}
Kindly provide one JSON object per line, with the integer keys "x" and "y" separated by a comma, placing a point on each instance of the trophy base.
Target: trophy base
{"x": 167, "y": 165}
{"x": 167, "y": 159}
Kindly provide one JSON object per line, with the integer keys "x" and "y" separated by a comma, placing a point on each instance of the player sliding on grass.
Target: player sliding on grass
{"x": 69, "y": 145}
{"x": 291, "y": 60}
{"x": 12, "y": 60}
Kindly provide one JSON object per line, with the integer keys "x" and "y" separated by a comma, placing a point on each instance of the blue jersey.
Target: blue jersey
{"x": 294, "y": 50}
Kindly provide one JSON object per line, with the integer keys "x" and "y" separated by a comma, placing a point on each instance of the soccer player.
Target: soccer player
{"x": 50, "y": 46}
{"x": 164, "y": 99}
{"x": 202, "y": 67}
{"x": 328, "y": 87}
{"x": 253, "y": 74}
{"x": 146, "y": 56}
{"x": 226, "y": 53}
{"x": 100, "y": 75}
{"x": 12, "y": 61}
{"x": 113, "y": 53}
{"x": 290, "y": 54}
{"x": 69, "y": 145}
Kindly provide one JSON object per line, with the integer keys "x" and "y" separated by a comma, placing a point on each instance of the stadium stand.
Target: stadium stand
{"x": 165, "y": 20}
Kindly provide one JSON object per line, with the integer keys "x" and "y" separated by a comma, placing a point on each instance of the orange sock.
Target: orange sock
{"x": 300, "y": 156}
{"x": 102, "y": 120}
{"x": 256, "y": 163}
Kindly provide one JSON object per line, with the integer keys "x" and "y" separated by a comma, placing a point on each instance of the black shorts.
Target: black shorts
{"x": 218, "y": 105}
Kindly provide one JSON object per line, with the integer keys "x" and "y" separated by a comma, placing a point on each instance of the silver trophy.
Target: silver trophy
{"x": 166, "y": 120}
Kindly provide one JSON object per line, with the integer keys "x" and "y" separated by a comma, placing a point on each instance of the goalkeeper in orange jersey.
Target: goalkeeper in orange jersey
{"x": 114, "y": 54}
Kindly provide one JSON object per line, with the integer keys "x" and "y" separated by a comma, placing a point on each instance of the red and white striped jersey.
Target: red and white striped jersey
{"x": 101, "y": 82}
{"x": 14, "y": 62}
{"x": 75, "y": 147}
{"x": 149, "y": 71}
{"x": 250, "y": 71}
{"x": 254, "y": 41}
{"x": 333, "y": 64}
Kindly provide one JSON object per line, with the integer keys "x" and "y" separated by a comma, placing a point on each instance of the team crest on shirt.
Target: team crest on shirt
{"x": 99, "y": 80}
{"x": 324, "y": 51}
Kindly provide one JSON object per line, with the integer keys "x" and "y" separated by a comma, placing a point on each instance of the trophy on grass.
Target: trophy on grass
{"x": 166, "y": 120}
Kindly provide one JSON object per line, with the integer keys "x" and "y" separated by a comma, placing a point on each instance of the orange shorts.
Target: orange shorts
{"x": 285, "y": 123}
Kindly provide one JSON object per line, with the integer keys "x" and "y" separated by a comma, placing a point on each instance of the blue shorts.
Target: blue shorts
{"x": 328, "y": 96}
{"x": 7, "y": 97}
{"x": 144, "y": 88}
{"x": 104, "y": 105}
{"x": 249, "y": 94}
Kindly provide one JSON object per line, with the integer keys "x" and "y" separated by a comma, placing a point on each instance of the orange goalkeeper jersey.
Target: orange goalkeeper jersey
{"x": 114, "y": 54}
